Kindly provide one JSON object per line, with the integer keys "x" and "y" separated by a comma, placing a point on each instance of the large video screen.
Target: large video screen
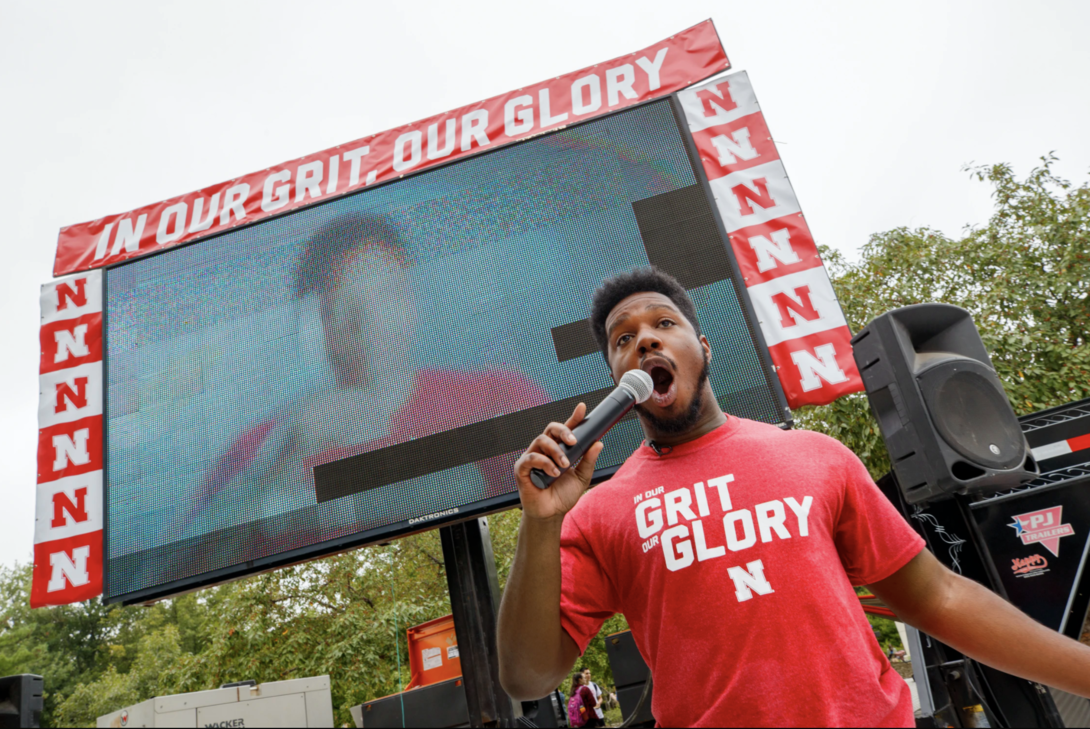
{"x": 374, "y": 365}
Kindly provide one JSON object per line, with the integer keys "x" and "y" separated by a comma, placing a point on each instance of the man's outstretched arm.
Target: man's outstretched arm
{"x": 973, "y": 619}
{"x": 535, "y": 651}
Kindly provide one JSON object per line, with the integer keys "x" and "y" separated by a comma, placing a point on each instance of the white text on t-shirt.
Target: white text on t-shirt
{"x": 683, "y": 540}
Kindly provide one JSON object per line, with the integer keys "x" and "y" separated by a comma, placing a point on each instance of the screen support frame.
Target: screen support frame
{"x": 105, "y": 436}
{"x": 474, "y": 603}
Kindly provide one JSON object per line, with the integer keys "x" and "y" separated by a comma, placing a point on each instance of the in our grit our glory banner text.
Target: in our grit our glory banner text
{"x": 661, "y": 69}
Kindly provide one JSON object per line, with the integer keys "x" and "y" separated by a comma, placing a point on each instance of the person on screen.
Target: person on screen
{"x": 360, "y": 270}
{"x": 718, "y": 538}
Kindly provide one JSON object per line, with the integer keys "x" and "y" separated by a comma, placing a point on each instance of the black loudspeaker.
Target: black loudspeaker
{"x": 440, "y": 704}
{"x": 20, "y": 701}
{"x": 544, "y": 712}
{"x": 941, "y": 408}
{"x": 630, "y": 675}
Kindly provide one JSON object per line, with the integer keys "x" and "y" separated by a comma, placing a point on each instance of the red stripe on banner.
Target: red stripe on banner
{"x": 1079, "y": 443}
{"x": 777, "y": 248}
{"x": 71, "y": 342}
{"x": 67, "y": 570}
{"x": 659, "y": 70}
{"x": 818, "y": 368}
{"x": 69, "y": 449}
{"x": 741, "y": 144}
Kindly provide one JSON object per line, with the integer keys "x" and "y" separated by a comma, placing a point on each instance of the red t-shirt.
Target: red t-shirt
{"x": 758, "y": 626}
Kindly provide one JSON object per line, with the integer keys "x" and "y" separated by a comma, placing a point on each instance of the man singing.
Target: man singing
{"x": 727, "y": 543}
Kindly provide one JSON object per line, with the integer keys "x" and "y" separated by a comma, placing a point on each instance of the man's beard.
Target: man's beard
{"x": 688, "y": 419}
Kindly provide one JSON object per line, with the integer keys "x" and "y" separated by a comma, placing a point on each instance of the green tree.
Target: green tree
{"x": 1024, "y": 277}
{"x": 344, "y": 616}
{"x": 66, "y": 644}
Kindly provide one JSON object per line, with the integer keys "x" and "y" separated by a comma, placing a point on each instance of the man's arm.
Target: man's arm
{"x": 535, "y": 651}
{"x": 972, "y": 619}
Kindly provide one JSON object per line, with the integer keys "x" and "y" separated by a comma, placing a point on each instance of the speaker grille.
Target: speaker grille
{"x": 972, "y": 414}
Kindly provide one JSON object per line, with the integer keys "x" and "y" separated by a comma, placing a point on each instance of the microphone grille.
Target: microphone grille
{"x": 639, "y": 383}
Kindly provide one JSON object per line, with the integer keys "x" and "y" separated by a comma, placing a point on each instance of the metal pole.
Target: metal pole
{"x": 474, "y": 602}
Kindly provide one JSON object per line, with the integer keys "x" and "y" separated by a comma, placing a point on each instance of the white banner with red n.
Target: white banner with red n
{"x": 68, "y": 525}
{"x": 800, "y": 317}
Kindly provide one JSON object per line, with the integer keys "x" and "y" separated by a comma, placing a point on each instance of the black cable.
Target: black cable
{"x": 996, "y": 712}
{"x": 639, "y": 704}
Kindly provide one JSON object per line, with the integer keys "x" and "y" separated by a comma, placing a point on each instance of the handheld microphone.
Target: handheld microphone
{"x": 635, "y": 387}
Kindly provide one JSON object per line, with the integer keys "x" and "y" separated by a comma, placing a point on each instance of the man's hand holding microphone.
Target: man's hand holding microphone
{"x": 552, "y": 475}
{"x": 549, "y": 486}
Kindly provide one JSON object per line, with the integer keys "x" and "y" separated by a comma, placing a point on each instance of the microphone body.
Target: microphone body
{"x": 635, "y": 387}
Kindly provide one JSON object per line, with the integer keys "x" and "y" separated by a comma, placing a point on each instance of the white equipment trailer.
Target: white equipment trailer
{"x": 301, "y": 702}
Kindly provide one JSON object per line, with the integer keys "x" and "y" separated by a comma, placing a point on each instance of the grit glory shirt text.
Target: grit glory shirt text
{"x": 733, "y": 559}
{"x": 679, "y": 550}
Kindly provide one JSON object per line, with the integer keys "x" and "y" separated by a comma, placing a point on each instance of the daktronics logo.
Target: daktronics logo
{"x": 1042, "y": 527}
{"x": 1029, "y": 566}
{"x": 437, "y": 515}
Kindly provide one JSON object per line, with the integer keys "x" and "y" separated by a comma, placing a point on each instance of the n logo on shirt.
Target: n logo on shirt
{"x": 749, "y": 580}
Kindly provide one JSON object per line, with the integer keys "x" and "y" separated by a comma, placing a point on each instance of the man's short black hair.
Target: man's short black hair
{"x": 639, "y": 280}
{"x": 327, "y": 249}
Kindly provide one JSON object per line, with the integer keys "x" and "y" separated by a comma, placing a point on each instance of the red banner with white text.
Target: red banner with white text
{"x": 800, "y": 317}
{"x": 661, "y": 69}
{"x": 68, "y": 524}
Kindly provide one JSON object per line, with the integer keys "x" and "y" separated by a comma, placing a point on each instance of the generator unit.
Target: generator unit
{"x": 301, "y": 702}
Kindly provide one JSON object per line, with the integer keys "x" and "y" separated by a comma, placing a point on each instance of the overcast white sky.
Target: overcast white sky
{"x": 876, "y": 107}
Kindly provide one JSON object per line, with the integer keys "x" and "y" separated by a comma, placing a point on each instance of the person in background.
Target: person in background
{"x": 599, "y": 718}
{"x": 581, "y": 703}
{"x": 561, "y": 701}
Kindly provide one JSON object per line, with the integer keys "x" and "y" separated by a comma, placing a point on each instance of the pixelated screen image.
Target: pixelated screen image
{"x": 385, "y": 356}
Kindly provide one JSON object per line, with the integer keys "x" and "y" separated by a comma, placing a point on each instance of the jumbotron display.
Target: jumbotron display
{"x": 373, "y": 365}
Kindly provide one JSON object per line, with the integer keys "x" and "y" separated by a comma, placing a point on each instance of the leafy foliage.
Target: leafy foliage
{"x": 67, "y": 643}
{"x": 344, "y": 616}
{"x": 1023, "y": 276}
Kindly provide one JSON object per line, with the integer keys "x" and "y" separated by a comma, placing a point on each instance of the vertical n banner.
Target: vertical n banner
{"x": 68, "y": 525}
{"x": 807, "y": 336}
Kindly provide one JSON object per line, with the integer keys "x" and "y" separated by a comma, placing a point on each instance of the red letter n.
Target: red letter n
{"x": 66, "y": 294}
{"x": 791, "y": 308}
{"x": 760, "y": 196}
{"x": 61, "y": 504}
{"x": 77, "y": 397}
{"x": 720, "y": 97}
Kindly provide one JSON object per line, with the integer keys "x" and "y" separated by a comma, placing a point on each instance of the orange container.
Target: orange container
{"x": 433, "y": 652}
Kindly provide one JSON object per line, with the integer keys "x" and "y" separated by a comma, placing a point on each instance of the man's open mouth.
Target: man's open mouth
{"x": 662, "y": 375}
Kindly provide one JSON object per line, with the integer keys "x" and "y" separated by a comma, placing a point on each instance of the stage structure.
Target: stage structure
{"x": 357, "y": 345}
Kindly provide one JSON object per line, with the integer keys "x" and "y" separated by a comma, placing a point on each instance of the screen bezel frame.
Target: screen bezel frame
{"x": 397, "y": 530}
